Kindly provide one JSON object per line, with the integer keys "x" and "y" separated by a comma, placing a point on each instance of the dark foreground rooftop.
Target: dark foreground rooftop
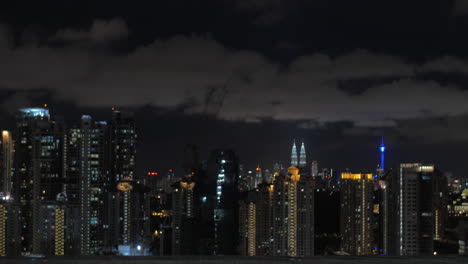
{"x": 247, "y": 260}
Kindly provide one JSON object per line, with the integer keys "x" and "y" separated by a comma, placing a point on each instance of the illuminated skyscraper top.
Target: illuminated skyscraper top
{"x": 382, "y": 154}
{"x": 36, "y": 113}
{"x": 302, "y": 156}
{"x": 294, "y": 159}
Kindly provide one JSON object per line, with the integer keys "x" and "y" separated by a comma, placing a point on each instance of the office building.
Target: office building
{"x": 123, "y": 139}
{"x": 294, "y": 157}
{"x": 314, "y": 168}
{"x": 38, "y": 173}
{"x": 302, "y": 156}
{"x": 226, "y": 208}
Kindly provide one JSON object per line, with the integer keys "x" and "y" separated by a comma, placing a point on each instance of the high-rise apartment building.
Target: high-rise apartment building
{"x": 356, "y": 213}
{"x": 421, "y": 208}
{"x": 92, "y": 166}
{"x": 184, "y": 216}
{"x": 293, "y": 215}
{"x": 6, "y": 163}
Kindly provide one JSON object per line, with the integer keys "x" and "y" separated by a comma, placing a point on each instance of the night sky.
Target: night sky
{"x": 250, "y": 75}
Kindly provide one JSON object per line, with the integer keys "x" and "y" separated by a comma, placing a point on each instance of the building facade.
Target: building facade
{"x": 38, "y": 173}
{"x": 357, "y": 213}
{"x": 421, "y": 208}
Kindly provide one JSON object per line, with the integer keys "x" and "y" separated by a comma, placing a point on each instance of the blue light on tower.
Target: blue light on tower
{"x": 382, "y": 154}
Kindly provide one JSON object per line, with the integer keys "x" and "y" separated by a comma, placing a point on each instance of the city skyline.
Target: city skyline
{"x": 76, "y": 192}
{"x": 338, "y": 154}
{"x": 320, "y": 71}
{"x": 276, "y": 129}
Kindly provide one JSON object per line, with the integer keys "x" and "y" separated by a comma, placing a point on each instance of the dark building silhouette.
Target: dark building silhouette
{"x": 218, "y": 197}
{"x": 122, "y": 137}
{"x": 421, "y": 208}
{"x": 38, "y": 174}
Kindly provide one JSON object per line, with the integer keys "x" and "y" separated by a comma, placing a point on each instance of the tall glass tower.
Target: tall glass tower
{"x": 294, "y": 158}
{"x": 302, "y": 156}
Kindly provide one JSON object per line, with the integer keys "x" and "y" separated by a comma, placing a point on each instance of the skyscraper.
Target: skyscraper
{"x": 258, "y": 176}
{"x": 302, "y": 156}
{"x": 123, "y": 139}
{"x": 420, "y": 208}
{"x": 248, "y": 225}
{"x": 93, "y": 145}
{"x": 184, "y": 228}
{"x": 385, "y": 196}
{"x": 6, "y": 163}
{"x": 294, "y": 157}
{"x": 10, "y": 242}
{"x": 356, "y": 213}
{"x": 226, "y": 169}
{"x": 293, "y": 215}
{"x": 314, "y": 168}
{"x": 38, "y": 172}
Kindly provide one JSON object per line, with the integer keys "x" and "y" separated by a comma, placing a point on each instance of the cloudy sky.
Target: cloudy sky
{"x": 250, "y": 75}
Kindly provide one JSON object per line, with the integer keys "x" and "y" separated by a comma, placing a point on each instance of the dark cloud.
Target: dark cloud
{"x": 446, "y": 64}
{"x": 201, "y": 75}
{"x": 435, "y": 130}
{"x": 100, "y": 31}
{"x": 265, "y": 13}
{"x": 460, "y": 8}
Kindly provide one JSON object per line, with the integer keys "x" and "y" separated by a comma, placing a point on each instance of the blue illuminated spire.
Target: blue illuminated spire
{"x": 294, "y": 159}
{"x": 382, "y": 154}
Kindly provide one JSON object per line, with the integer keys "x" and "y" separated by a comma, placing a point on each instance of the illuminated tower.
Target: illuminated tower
{"x": 294, "y": 158}
{"x": 183, "y": 218}
{"x": 314, "y": 168}
{"x": 356, "y": 213}
{"x": 302, "y": 156}
{"x": 92, "y": 141}
{"x": 123, "y": 139}
{"x": 258, "y": 176}
{"x": 248, "y": 224}
{"x": 9, "y": 228}
{"x": 38, "y": 172}
{"x": 3, "y": 230}
{"x": 6, "y": 163}
{"x": 226, "y": 207}
{"x": 292, "y": 211}
{"x": 292, "y": 215}
{"x": 382, "y": 154}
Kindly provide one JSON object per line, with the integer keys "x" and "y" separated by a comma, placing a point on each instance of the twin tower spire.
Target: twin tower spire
{"x": 298, "y": 161}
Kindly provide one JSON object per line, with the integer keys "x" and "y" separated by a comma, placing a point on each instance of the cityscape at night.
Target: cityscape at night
{"x": 234, "y": 131}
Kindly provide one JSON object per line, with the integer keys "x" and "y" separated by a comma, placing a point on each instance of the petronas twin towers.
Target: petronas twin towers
{"x": 298, "y": 161}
